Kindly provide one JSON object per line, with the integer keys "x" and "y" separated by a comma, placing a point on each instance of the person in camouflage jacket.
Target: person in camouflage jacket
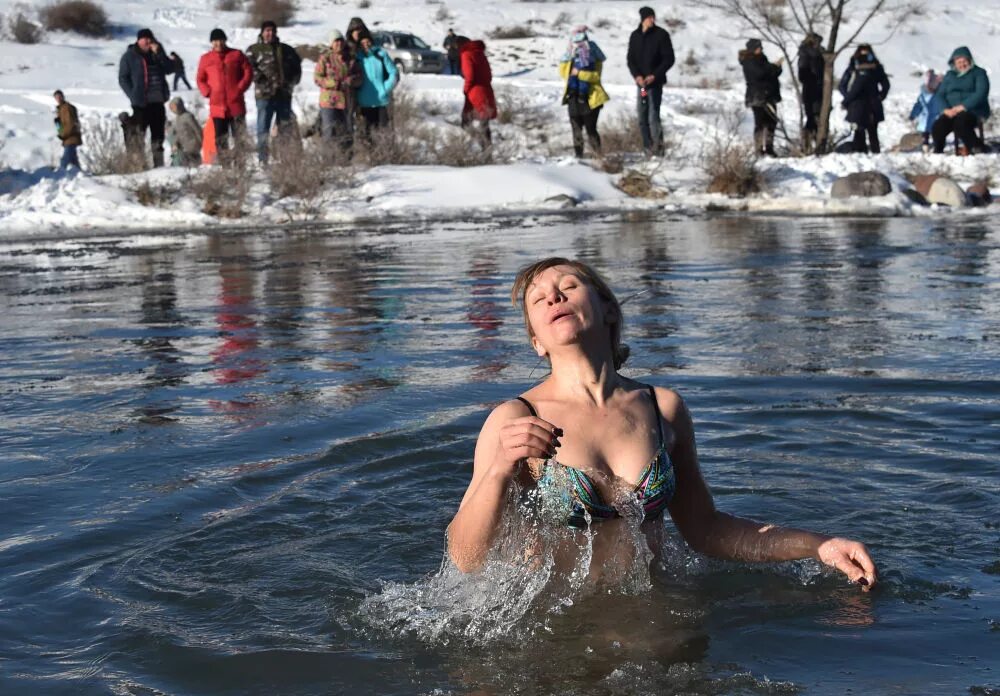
{"x": 277, "y": 68}
{"x": 337, "y": 75}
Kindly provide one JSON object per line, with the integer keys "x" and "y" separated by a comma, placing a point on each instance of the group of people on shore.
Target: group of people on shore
{"x": 356, "y": 78}
{"x": 956, "y": 103}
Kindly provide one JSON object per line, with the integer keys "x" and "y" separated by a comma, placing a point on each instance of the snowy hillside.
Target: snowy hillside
{"x": 705, "y": 83}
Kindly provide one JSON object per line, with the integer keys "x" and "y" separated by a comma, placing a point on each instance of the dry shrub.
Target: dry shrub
{"x": 514, "y": 106}
{"x": 228, "y": 5}
{"x": 310, "y": 51}
{"x": 308, "y": 173}
{"x": 82, "y": 16}
{"x": 674, "y": 23}
{"x": 23, "y": 30}
{"x": 639, "y": 185}
{"x": 223, "y": 188}
{"x": 517, "y": 31}
{"x": 281, "y": 12}
{"x": 603, "y": 23}
{"x": 730, "y": 162}
{"x": 364, "y": 4}
{"x": 443, "y": 15}
{"x": 157, "y": 195}
{"x": 620, "y": 137}
{"x": 562, "y": 19}
{"x": 104, "y": 152}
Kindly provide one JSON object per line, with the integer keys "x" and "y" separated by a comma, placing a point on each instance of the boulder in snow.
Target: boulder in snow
{"x": 562, "y": 201}
{"x": 865, "y": 184}
{"x": 940, "y": 190}
{"x": 911, "y": 142}
{"x": 979, "y": 195}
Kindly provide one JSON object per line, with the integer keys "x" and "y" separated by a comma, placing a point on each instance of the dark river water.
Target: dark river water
{"x": 228, "y": 460}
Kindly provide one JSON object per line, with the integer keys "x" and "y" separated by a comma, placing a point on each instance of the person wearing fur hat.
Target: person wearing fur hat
{"x": 928, "y": 106}
{"x": 142, "y": 75}
{"x": 224, "y": 75}
{"x": 864, "y": 86}
{"x": 811, "y": 67}
{"x": 337, "y": 75}
{"x": 583, "y": 95}
{"x": 762, "y": 95}
{"x": 965, "y": 94}
{"x": 277, "y": 69}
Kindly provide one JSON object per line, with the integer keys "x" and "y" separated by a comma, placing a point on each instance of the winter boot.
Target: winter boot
{"x": 758, "y": 142}
{"x": 157, "y": 147}
{"x": 769, "y": 143}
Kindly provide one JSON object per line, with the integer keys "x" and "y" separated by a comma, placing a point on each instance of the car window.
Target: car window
{"x": 404, "y": 41}
{"x": 418, "y": 42}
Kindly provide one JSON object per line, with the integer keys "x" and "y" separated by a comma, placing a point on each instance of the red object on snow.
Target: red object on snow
{"x": 479, "y": 100}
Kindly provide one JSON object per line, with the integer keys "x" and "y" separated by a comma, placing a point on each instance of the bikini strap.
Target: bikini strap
{"x": 531, "y": 409}
{"x": 659, "y": 416}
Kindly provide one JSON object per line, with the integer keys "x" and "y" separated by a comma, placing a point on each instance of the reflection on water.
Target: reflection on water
{"x": 229, "y": 460}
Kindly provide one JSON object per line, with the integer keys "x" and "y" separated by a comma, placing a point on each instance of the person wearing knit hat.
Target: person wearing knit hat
{"x": 224, "y": 76}
{"x": 650, "y": 56}
{"x": 338, "y": 75}
{"x": 762, "y": 95}
{"x": 142, "y": 76}
{"x": 277, "y": 69}
{"x": 583, "y": 94}
{"x": 811, "y": 68}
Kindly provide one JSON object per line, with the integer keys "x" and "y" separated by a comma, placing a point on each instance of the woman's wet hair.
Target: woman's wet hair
{"x": 526, "y": 276}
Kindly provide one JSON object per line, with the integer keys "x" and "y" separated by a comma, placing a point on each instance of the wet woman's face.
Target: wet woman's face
{"x": 561, "y": 305}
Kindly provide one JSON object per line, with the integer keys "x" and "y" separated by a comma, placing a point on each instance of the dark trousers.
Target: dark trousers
{"x": 648, "y": 109}
{"x": 812, "y": 109}
{"x": 375, "y": 117}
{"x": 224, "y": 127}
{"x": 69, "y": 157}
{"x": 964, "y": 126}
{"x": 868, "y": 127}
{"x": 183, "y": 78}
{"x": 581, "y": 120}
{"x": 765, "y": 120}
{"x": 154, "y": 117}
{"x": 453, "y": 66}
{"x": 335, "y": 129}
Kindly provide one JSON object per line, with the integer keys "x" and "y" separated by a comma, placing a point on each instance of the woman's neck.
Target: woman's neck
{"x": 579, "y": 375}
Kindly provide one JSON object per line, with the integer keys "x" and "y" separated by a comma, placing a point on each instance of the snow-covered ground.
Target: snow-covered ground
{"x": 705, "y": 84}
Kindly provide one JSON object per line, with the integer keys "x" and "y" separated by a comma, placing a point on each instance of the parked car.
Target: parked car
{"x": 409, "y": 52}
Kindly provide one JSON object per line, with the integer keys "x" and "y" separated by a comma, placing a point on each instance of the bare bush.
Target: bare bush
{"x": 23, "y": 30}
{"x": 603, "y": 23}
{"x": 730, "y": 161}
{"x": 82, "y": 16}
{"x": 223, "y": 189}
{"x": 228, "y": 5}
{"x": 562, "y": 19}
{"x": 281, "y": 12}
{"x": 310, "y": 52}
{"x": 639, "y": 185}
{"x": 157, "y": 194}
{"x": 517, "y": 31}
{"x": 104, "y": 152}
{"x": 443, "y": 15}
{"x": 620, "y": 137}
{"x": 364, "y": 4}
{"x": 309, "y": 174}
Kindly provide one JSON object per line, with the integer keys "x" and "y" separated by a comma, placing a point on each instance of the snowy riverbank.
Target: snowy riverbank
{"x": 704, "y": 85}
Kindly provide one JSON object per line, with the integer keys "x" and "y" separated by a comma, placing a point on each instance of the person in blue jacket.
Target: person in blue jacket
{"x": 928, "y": 106}
{"x": 378, "y": 78}
{"x": 864, "y": 87}
{"x": 965, "y": 94}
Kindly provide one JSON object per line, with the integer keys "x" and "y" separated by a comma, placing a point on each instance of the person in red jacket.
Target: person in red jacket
{"x": 480, "y": 104}
{"x": 224, "y": 74}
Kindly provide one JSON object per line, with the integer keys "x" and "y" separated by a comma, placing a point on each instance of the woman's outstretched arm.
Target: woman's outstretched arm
{"x": 719, "y": 534}
{"x": 508, "y": 436}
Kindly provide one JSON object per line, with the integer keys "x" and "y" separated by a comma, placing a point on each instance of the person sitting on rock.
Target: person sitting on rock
{"x": 928, "y": 106}
{"x": 864, "y": 87}
{"x": 965, "y": 93}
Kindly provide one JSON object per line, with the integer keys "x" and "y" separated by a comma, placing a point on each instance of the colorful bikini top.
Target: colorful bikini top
{"x": 654, "y": 490}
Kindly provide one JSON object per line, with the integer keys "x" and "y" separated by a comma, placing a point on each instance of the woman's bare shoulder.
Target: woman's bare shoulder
{"x": 670, "y": 402}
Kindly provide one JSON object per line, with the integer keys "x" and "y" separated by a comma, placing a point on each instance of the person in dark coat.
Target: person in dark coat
{"x": 356, "y": 30}
{"x": 965, "y": 93}
{"x": 179, "y": 73}
{"x": 864, "y": 87}
{"x": 810, "y": 75}
{"x": 480, "y": 103}
{"x": 277, "y": 69}
{"x": 763, "y": 94}
{"x": 142, "y": 75}
{"x": 450, "y": 45}
{"x": 67, "y": 130}
{"x": 650, "y": 56}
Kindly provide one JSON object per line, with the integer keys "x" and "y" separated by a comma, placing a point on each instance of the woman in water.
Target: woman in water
{"x": 609, "y": 431}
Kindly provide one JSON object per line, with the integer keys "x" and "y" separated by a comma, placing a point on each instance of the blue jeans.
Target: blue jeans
{"x": 69, "y": 157}
{"x": 648, "y": 110}
{"x": 274, "y": 109}
{"x": 334, "y": 128}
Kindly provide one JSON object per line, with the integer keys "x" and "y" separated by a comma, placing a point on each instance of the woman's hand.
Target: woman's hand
{"x": 850, "y": 558}
{"x": 525, "y": 437}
